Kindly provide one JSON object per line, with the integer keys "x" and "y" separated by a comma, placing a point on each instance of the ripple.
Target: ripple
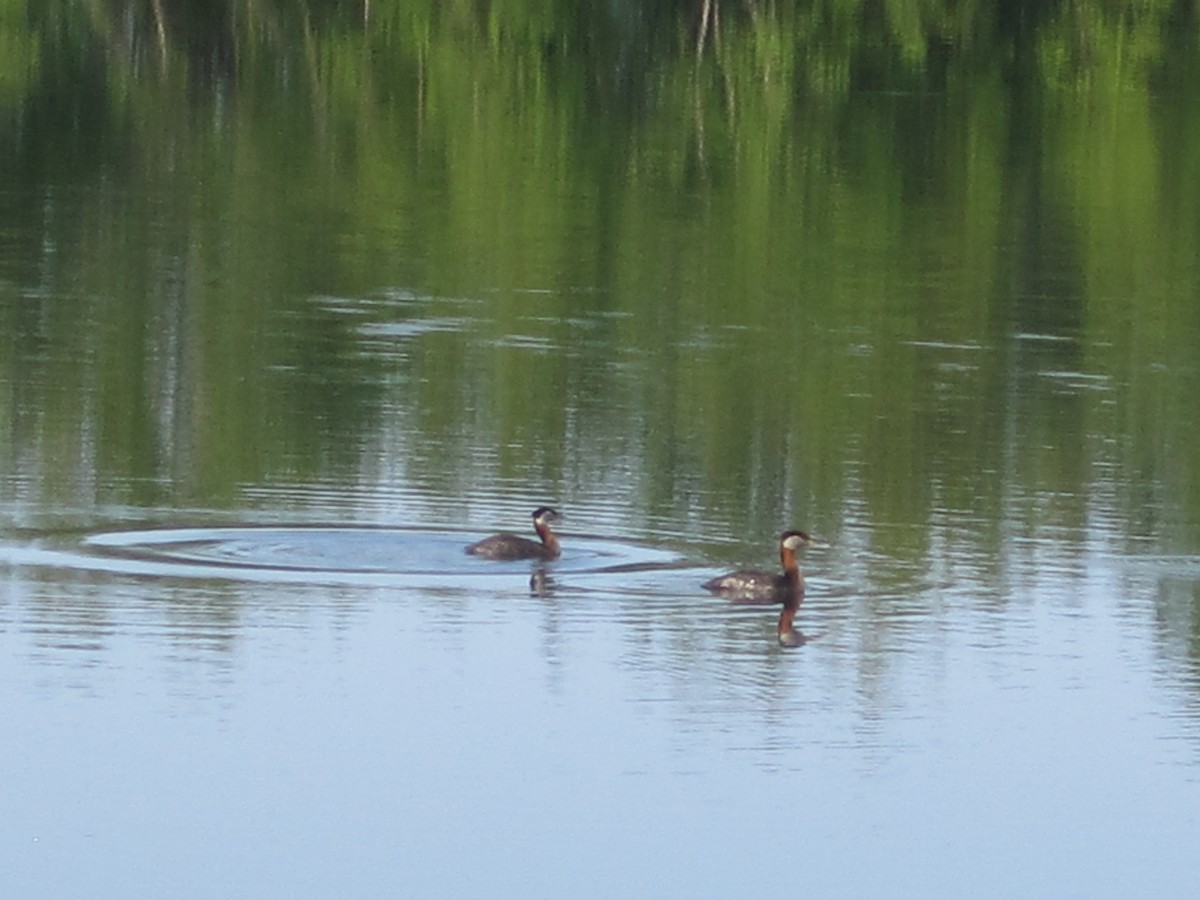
{"x": 1166, "y": 566}
{"x": 328, "y": 554}
{"x": 1077, "y": 381}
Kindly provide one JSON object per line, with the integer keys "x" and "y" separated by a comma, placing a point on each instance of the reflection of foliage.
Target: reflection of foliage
{"x": 821, "y": 46}
{"x": 19, "y": 52}
{"x": 1104, "y": 45}
{"x": 762, "y": 122}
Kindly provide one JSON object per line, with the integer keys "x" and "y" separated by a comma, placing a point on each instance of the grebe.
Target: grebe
{"x": 752, "y": 586}
{"x": 510, "y": 546}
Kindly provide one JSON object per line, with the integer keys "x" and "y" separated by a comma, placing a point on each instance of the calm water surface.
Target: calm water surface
{"x": 267, "y": 367}
{"x": 175, "y": 697}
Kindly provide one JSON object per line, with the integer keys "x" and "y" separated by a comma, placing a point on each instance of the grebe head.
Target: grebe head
{"x": 794, "y": 540}
{"x": 544, "y": 515}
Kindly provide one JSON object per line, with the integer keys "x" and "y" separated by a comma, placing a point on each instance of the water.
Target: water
{"x": 274, "y": 349}
{"x": 270, "y": 723}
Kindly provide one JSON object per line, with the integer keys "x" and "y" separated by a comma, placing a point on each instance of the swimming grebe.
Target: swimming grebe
{"x": 752, "y": 586}
{"x": 510, "y": 546}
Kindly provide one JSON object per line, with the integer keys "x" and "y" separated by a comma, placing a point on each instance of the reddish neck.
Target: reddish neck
{"x": 549, "y": 541}
{"x": 791, "y": 569}
{"x": 791, "y": 572}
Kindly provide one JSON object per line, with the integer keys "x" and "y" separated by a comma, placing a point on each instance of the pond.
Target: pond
{"x": 268, "y": 364}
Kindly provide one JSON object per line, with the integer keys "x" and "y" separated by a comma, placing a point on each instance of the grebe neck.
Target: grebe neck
{"x": 548, "y": 539}
{"x": 791, "y": 568}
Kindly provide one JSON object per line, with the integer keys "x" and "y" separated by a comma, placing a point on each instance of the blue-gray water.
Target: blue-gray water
{"x": 292, "y": 312}
{"x": 348, "y": 731}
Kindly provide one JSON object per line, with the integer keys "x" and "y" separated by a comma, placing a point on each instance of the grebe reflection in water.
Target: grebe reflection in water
{"x": 755, "y": 586}
{"x": 510, "y": 546}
